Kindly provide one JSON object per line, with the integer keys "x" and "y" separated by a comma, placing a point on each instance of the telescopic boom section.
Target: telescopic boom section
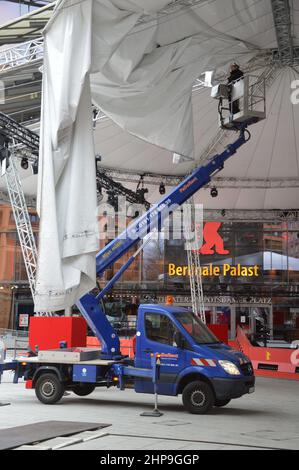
{"x": 153, "y": 219}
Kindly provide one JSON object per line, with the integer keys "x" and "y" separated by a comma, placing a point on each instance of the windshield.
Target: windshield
{"x": 196, "y": 328}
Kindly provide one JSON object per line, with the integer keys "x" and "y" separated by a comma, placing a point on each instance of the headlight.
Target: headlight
{"x": 229, "y": 367}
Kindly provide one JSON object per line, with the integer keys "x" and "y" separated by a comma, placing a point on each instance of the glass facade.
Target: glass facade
{"x": 272, "y": 248}
{"x": 15, "y": 295}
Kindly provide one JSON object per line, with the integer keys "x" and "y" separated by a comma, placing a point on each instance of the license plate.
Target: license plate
{"x": 251, "y": 390}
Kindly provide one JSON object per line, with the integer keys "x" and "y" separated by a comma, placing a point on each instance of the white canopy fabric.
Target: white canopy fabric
{"x": 272, "y": 152}
{"x": 138, "y": 59}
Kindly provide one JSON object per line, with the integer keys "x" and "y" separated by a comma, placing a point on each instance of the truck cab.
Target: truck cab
{"x": 193, "y": 362}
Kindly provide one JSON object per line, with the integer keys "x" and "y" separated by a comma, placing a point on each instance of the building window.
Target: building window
{"x": 34, "y": 218}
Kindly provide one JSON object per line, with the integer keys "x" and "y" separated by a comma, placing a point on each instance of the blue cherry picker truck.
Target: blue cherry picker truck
{"x": 175, "y": 352}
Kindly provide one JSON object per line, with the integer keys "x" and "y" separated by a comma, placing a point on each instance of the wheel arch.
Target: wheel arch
{"x": 192, "y": 376}
{"x": 46, "y": 370}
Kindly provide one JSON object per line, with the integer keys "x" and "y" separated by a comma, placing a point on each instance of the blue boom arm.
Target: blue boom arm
{"x": 90, "y": 305}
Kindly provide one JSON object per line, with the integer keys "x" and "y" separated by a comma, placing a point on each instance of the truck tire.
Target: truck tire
{"x": 198, "y": 397}
{"x": 49, "y": 389}
{"x": 82, "y": 390}
{"x": 220, "y": 403}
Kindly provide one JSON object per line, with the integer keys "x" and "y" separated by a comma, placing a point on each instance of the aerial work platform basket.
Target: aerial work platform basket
{"x": 243, "y": 101}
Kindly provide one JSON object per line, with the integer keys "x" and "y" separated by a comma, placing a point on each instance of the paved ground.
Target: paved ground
{"x": 269, "y": 418}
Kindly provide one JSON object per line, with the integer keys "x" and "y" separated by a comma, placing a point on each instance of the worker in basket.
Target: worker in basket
{"x": 235, "y": 74}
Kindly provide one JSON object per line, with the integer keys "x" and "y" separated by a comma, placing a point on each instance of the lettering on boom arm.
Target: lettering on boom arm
{"x": 188, "y": 184}
{"x": 115, "y": 247}
{"x": 150, "y": 220}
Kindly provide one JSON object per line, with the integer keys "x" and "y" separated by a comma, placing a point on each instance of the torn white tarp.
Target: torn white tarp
{"x": 66, "y": 181}
{"x": 140, "y": 59}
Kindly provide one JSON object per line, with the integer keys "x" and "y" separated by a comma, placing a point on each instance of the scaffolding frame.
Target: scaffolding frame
{"x": 283, "y": 26}
{"x": 194, "y": 266}
{"x": 22, "y": 220}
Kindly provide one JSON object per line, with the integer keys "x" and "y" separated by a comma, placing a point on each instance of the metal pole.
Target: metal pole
{"x": 156, "y": 362}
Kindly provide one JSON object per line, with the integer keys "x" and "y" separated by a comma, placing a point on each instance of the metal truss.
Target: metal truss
{"x": 219, "y": 182}
{"x": 18, "y": 134}
{"x": 254, "y": 183}
{"x": 32, "y": 3}
{"x": 255, "y": 215}
{"x": 22, "y": 54}
{"x": 193, "y": 256}
{"x": 134, "y": 197}
{"x": 148, "y": 178}
{"x": 283, "y": 25}
{"x": 22, "y": 220}
{"x": 276, "y": 56}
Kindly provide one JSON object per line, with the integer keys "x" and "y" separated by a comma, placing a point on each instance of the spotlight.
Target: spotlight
{"x": 214, "y": 192}
{"x": 24, "y": 163}
{"x": 223, "y": 213}
{"x": 141, "y": 195}
{"x": 162, "y": 189}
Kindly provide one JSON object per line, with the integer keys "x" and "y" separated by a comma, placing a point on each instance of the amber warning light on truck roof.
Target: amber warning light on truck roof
{"x": 169, "y": 300}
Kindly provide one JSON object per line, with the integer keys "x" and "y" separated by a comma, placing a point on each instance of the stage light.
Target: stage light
{"x": 162, "y": 189}
{"x": 24, "y": 163}
{"x": 214, "y": 192}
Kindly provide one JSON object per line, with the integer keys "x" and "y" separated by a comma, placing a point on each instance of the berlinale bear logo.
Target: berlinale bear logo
{"x": 213, "y": 242}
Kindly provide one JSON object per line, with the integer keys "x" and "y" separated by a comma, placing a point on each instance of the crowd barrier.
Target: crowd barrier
{"x": 270, "y": 362}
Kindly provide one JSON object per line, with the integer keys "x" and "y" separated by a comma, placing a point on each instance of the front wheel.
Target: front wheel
{"x": 82, "y": 390}
{"x": 198, "y": 397}
{"x": 49, "y": 389}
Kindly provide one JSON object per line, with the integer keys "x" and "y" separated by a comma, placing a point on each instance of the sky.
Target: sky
{"x": 10, "y": 10}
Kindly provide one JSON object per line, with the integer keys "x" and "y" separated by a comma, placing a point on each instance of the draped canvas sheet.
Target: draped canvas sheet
{"x": 66, "y": 178}
{"x": 139, "y": 61}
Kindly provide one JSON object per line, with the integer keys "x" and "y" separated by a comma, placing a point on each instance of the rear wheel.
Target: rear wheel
{"x": 220, "y": 403}
{"x": 49, "y": 389}
{"x": 198, "y": 397}
{"x": 82, "y": 390}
